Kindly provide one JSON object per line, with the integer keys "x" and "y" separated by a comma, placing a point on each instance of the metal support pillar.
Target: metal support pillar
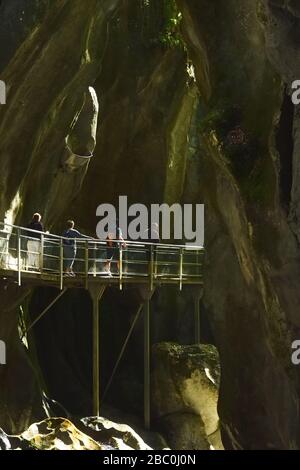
{"x": 197, "y": 298}
{"x": 146, "y": 295}
{"x": 147, "y": 364}
{"x": 42, "y": 253}
{"x": 96, "y": 292}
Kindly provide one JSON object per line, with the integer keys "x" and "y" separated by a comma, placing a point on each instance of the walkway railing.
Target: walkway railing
{"x": 27, "y": 253}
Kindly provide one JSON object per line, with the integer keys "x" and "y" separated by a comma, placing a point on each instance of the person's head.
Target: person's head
{"x": 70, "y": 224}
{"x": 36, "y": 217}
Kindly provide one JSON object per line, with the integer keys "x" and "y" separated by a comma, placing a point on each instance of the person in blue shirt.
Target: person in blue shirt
{"x": 70, "y": 235}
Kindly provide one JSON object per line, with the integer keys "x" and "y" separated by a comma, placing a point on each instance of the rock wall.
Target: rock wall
{"x": 47, "y": 72}
{"x": 185, "y": 381}
{"x": 252, "y": 264}
{"x": 219, "y": 139}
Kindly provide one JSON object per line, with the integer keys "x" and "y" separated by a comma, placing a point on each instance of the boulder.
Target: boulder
{"x": 94, "y": 433}
{"x": 120, "y": 436}
{"x": 185, "y": 383}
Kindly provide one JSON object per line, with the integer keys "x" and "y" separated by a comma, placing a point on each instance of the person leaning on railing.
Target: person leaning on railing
{"x": 70, "y": 235}
{"x": 34, "y": 242}
{"x": 113, "y": 250}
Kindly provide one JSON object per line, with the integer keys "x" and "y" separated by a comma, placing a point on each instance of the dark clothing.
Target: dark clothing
{"x": 71, "y": 234}
{"x": 69, "y": 256}
{"x": 110, "y": 251}
{"x": 113, "y": 247}
{"x": 35, "y": 226}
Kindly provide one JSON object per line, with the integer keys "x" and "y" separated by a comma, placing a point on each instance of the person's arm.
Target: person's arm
{"x": 77, "y": 234}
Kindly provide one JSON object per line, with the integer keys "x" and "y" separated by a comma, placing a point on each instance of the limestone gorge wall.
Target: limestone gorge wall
{"x": 249, "y": 227}
{"x": 188, "y": 102}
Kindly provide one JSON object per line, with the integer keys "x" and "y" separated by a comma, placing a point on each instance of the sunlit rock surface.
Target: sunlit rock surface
{"x": 62, "y": 434}
{"x": 205, "y": 119}
{"x": 185, "y": 383}
{"x": 115, "y": 433}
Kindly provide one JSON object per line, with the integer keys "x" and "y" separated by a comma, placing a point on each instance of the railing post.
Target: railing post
{"x": 61, "y": 263}
{"x": 95, "y": 260}
{"x": 5, "y": 253}
{"x": 42, "y": 253}
{"x": 121, "y": 267}
{"x": 151, "y": 270}
{"x": 180, "y": 268}
{"x": 19, "y": 255}
{"x": 199, "y": 263}
{"x": 155, "y": 262}
{"x": 86, "y": 263}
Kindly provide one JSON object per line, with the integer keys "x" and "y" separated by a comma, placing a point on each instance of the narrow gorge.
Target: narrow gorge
{"x": 164, "y": 101}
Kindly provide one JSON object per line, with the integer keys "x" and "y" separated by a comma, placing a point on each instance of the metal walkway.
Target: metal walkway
{"x": 33, "y": 261}
{"x": 29, "y": 259}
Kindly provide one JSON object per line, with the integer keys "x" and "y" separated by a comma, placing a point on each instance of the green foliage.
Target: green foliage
{"x": 170, "y": 36}
{"x": 157, "y": 22}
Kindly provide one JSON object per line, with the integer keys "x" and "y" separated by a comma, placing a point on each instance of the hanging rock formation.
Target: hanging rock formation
{"x": 196, "y": 115}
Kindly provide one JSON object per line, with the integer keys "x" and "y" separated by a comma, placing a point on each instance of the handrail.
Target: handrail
{"x": 99, "y": 241}
{"x": 48, "y": 257}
